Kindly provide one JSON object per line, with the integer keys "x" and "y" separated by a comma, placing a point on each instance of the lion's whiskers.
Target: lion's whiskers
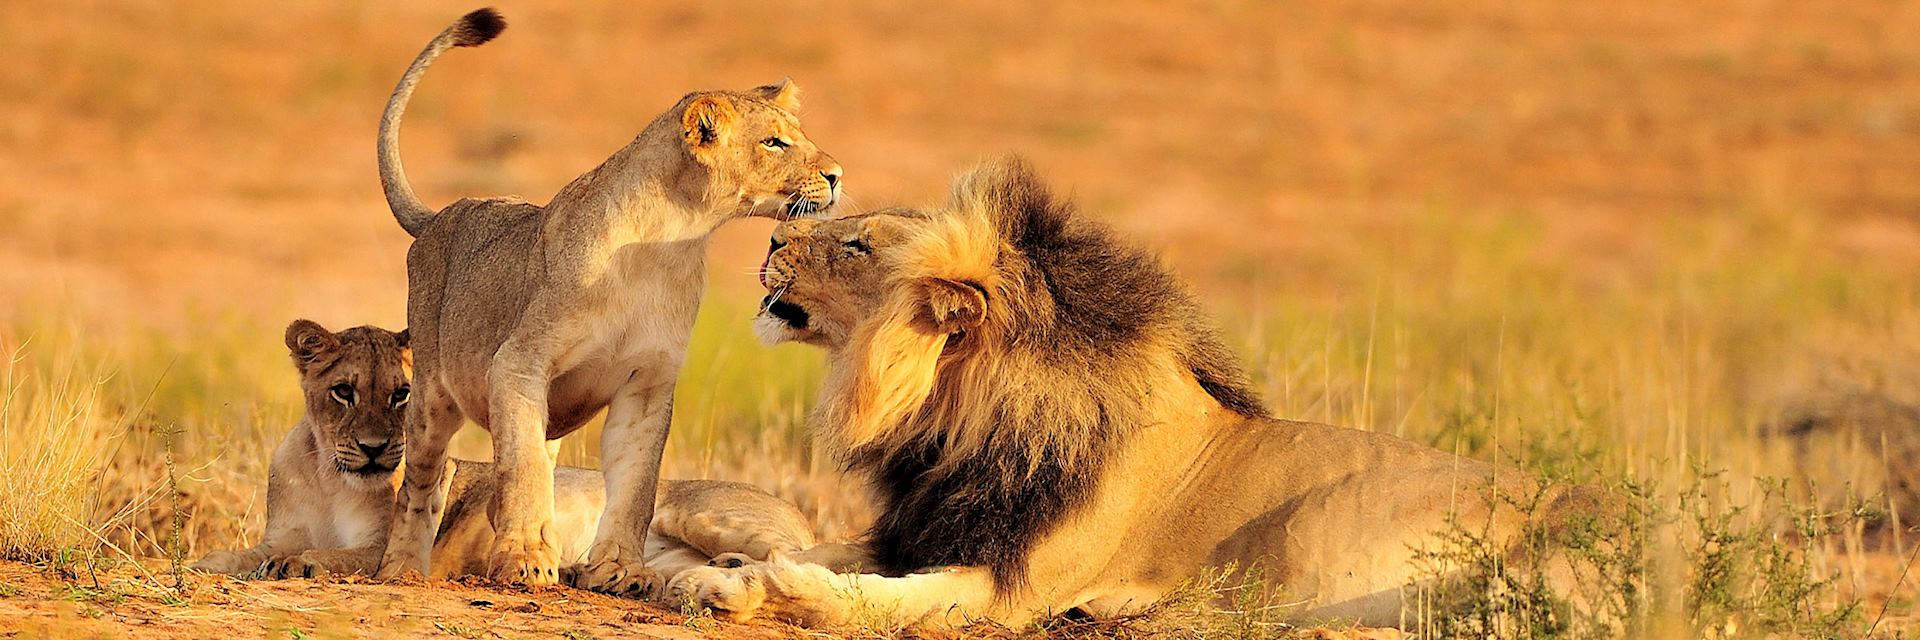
{"x": 775, "y": 297}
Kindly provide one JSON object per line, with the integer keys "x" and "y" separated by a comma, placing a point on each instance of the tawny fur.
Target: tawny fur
{"x": 325, "y": 516}
{"x": 1076, "y": 436}
{"x": 529, "y": 319}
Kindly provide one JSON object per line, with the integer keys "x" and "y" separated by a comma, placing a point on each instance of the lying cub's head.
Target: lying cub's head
{"x": 356, "y": 390}
{"x": 757, "y": 161}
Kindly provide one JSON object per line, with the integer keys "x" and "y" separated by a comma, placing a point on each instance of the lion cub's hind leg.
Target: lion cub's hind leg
{"x": 431, "y": 420}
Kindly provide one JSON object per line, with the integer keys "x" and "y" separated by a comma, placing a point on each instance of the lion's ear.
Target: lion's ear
{"x": 404, "y": 338}
{"x": 708, "y": 121}
{"x": 307, "y": 341}
{"x": 784, "y": 94}
{"x": 951, "y": 305}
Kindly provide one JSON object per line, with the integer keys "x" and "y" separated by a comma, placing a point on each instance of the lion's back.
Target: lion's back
{"x": 467, "y": 278}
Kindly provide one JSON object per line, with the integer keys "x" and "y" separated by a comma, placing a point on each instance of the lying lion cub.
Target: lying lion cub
{"x": 330, "y": 487}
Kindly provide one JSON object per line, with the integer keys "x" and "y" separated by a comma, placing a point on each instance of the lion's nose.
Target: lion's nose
{"x": 374, "y": 449}
{"x": 832, "y": 174}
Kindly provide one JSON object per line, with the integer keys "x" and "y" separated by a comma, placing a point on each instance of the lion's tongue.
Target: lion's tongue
{"x": 763, "y": 269}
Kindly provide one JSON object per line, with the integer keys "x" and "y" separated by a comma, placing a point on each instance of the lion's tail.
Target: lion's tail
{"x": 473, "y": 29}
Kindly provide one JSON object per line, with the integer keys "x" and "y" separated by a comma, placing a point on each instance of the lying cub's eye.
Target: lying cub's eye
{"x": 775, "y": 144}
{"x": 857, "y": 246}
{"x": 400, "y": 397}
{"x": 343, "y": 393}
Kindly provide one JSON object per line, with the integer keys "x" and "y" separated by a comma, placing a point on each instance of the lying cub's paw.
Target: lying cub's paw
{"x": 734, "y": 595}
{"x": 227, "y": 562}
{"x": 731, "y": 560}
{"x": 299, "y": 565}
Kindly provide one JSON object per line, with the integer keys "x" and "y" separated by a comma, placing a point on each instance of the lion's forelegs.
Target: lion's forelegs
{"x": 630, "y": 446}
{"x": 431, "y": 420}
{"x": 812, "y": 595}
{"x": 525, "y": 545}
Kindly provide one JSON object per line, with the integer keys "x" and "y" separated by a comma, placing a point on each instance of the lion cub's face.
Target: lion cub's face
{"x": 356, "y": 391}
{"x": 824, "y": 276}
{"x": 760, "y": 163}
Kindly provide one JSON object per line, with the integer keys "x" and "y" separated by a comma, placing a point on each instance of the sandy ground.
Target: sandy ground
{"x": 133, "y": 602}
{"x": 38, "y": 603}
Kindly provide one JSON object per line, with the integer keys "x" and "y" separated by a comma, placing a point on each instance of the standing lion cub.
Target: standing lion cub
{"x": 331, "y": 484}
{"x": 530, "y": 319}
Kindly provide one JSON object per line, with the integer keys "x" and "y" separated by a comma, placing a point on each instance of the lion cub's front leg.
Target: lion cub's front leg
{"x": 526, "y": 549}
{"x": 631, "y": 444}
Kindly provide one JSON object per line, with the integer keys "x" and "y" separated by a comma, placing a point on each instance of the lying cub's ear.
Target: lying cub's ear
{"x": 403, "y": 338}
{"x": 308, "y": 342}
{"x": 708, "y": 121}
{"x": 952, "y": 305}
{"x": 784, "y": 94}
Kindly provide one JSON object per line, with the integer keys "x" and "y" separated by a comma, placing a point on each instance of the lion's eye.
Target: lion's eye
{"x": 857, "y": 246}
{"x": 400, "y": 397}
{"x": 343, "y": 393}
{"x": 775, "y": 144}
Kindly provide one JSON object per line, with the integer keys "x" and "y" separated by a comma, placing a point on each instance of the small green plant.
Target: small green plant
{"x": 1740, "y": 571}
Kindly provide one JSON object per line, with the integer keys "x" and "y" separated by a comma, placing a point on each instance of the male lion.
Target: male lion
{"x": 331, "y": 484}
{"x": 1052, "y": 424}
{"x": 529, "y": 320}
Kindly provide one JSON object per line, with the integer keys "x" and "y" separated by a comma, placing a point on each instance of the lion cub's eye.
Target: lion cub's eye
{"x": 343, "y": 393}
{"x": 857, "y": 247}
{"x": 400, "y": 397}
{"x": 775, "y": 144}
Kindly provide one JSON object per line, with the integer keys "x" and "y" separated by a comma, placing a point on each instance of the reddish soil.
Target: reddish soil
{"x": 40, "y": 603}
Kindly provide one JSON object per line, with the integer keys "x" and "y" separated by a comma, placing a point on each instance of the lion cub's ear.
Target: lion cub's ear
{"x": 708, "y": 121}
{"x": 403, "y": 338}
{"x": 784, "y": 94}
{"x": 951, "y": 305}
{"x": 308, "y": 342}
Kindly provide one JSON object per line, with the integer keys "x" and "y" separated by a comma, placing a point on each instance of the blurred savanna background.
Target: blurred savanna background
{"x": 1672, "y": 248}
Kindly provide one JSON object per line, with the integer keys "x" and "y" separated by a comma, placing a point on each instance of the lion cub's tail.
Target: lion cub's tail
{"x": 473, "y": 29}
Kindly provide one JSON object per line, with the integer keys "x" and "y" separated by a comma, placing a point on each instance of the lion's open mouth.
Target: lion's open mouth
{"x": 787, "y": 312}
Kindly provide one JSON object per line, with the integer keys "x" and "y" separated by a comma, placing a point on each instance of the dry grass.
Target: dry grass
{"x": 1623, "y": 244}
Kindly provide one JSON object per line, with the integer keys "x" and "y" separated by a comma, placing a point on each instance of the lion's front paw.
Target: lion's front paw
{"x": 528, "y": 562}
{"x": 614, "y": 570}
{"x": 731, "y": 594}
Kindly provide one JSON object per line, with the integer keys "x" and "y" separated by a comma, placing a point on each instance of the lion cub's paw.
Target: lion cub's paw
{"x": 227, "y": 562}
{"x": 730, "y": 594}
{"x": 612, "y": 570}
{"x": 298, "y": 566}
{"x": 530, "y": 563}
